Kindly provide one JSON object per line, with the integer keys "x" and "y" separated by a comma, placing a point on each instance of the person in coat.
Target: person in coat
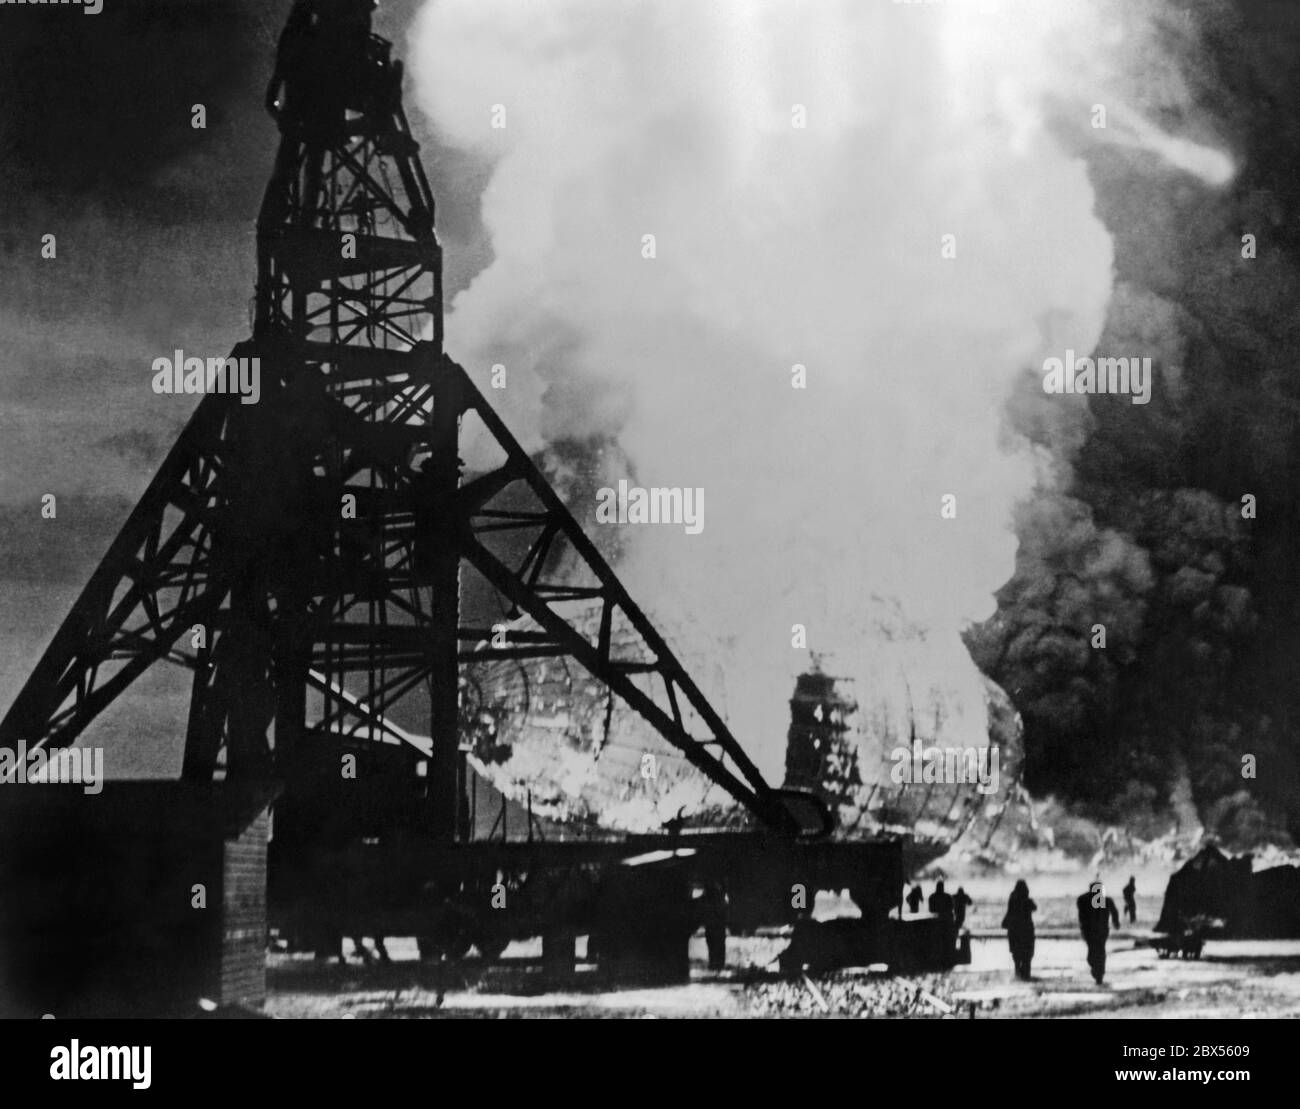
{"x": 1019, "y": 923}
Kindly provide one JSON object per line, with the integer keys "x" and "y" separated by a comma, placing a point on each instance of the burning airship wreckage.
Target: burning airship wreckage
{"x": 326, "y": 567}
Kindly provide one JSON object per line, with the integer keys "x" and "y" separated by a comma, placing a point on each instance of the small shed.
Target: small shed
{"x": 139, "y": 900}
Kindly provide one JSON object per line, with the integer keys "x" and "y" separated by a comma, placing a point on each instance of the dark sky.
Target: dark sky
{"x": 154, "y": 225}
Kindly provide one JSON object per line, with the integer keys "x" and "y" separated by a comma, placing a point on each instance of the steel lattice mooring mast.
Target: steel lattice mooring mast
{"x": 304, "y": 555}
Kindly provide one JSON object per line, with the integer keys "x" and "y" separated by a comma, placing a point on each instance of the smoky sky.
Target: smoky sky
{"x": 1141, "y": 529}
{"x": 1147, "y": 532}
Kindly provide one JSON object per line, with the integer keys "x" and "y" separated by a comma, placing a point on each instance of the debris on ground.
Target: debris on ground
{"x": 849, "y": 994}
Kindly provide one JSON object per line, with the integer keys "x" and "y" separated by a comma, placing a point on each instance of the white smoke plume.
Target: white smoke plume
{"x": 779, "y": 245}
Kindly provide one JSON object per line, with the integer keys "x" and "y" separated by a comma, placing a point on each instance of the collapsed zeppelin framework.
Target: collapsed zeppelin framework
{"x": 327, "y": 570}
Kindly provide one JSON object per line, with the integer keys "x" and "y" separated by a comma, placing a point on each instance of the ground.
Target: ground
{"x": 1234, "y": 978}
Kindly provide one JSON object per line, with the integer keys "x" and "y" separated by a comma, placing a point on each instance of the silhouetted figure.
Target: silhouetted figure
{"x": 914, "y": 900}
{"x": 941, "y": 903}
{"x": 322, "y": 65}
{"x": 1019, "y": 923}
{"x": 288, "y": 55}
{"x": 1130, "y": 899}
{"x": 1097, "y": 913}
{"x": 713, "y": 915}
{"x": 961, "y": 899}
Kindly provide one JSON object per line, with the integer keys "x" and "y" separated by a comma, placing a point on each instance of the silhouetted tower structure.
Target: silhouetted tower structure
{"x": 304, "y": 555}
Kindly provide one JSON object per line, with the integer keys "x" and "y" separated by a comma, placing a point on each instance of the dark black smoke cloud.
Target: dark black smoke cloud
{"x": 1201, "y": 605}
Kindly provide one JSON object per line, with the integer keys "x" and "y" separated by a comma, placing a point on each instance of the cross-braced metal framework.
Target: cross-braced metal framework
{"x": 304, "y": 556}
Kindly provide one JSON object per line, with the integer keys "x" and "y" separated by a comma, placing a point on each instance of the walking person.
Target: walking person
{"x": 1130, "y": 899}
{"x": 940, "y": 903}
{"x": 961, "y": 899}
{"x": 1097, "y": 913}
{"x": 1019, "y": 923}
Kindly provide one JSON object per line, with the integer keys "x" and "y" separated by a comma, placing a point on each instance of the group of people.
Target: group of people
{"x": 1097, "y": 914}
{"x": 942, "y": 903}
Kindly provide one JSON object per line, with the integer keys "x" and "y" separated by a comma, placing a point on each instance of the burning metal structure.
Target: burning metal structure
{"x": 546, "y": 734}
{"x": 880, "y": 783}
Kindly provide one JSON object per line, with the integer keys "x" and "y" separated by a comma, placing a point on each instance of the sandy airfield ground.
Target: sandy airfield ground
{"x": 1234, "y": 978}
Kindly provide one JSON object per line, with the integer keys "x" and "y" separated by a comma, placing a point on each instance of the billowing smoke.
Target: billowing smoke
{"x": 800, "y": 168}
{"x": 1152, "y": 528}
